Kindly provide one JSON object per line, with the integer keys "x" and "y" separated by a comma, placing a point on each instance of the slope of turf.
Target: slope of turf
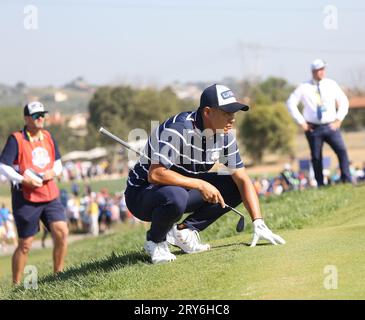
{"x": 322, "y": 227}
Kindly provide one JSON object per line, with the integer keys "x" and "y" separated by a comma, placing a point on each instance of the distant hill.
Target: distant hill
{"x": 71, "y": 98}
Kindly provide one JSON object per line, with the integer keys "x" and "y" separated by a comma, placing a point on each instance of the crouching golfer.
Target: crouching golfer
{"x": 176, "y": 179}
{"x": 31, "y": 161}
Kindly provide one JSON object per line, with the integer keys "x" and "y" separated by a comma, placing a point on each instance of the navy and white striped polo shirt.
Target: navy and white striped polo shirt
{"x": 181, "y": 144}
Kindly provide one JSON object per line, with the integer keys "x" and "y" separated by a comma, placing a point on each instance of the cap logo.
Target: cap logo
{"x": 34, "y": 107}
{"x": 227, "y": 94}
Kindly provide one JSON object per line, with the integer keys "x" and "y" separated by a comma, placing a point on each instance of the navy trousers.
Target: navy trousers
{"x": 165, "y": 205}
{"x": 316, "y": 138}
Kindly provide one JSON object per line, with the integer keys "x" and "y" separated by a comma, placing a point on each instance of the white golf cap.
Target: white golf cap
{"x": 34, "y": 107}
{"x": 318, "y": 64}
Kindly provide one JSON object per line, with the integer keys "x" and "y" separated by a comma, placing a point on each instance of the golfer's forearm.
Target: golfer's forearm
{"x": 164, "y": 176}
{"x": 250, "y": 199}
{"x": 248, "y": 193}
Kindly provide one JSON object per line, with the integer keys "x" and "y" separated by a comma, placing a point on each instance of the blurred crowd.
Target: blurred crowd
{"x": 289, "y": 180}
{"x": 7, "y": 229}
{"x": 91, "y": 213}
{"x": 95, "y": 212}
{"x": 81, "y": 170}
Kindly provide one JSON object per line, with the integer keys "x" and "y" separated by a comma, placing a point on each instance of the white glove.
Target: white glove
{"x": 261, "y": 231}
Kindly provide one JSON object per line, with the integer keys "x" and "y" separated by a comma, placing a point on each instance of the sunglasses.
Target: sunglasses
{"x": 37, "y": 115}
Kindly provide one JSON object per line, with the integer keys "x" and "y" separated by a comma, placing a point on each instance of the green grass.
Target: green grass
{"x": 321, "y": 227}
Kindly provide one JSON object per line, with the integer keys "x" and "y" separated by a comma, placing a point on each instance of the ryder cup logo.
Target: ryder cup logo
{"x": 40, "y": 157}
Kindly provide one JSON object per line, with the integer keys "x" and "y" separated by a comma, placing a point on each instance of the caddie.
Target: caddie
{"x": 31, "y": 161}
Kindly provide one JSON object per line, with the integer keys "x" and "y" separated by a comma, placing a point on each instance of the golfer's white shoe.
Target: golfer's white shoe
{"x": 159, "y": 252}
{"x": 188, "y": 240}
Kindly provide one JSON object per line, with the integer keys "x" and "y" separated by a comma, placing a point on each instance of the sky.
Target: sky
{"x": 160, "y": 42}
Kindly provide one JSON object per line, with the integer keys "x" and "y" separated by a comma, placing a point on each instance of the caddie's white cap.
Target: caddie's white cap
{"x": 34, "y": 107}
{"x": 318, "y": 64}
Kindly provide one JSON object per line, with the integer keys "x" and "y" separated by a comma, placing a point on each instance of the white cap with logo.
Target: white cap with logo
{"x": 318, "y": 64}
{"x": 34, "y": 107}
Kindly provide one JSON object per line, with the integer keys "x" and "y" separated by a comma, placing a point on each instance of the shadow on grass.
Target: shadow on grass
{"x": 109, "y": 263}
{"x": 235, "y": 244}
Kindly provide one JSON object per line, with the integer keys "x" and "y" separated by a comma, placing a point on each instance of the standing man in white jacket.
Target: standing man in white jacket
{"x": 320, "y": 120}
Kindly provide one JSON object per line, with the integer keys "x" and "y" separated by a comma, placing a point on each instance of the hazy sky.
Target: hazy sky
{"x": 158, "y": 42}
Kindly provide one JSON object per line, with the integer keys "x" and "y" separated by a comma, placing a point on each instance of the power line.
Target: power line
{"x": 256, "y": 46}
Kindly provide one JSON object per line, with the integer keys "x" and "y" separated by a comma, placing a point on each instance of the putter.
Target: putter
{"x": 241, "y": 223}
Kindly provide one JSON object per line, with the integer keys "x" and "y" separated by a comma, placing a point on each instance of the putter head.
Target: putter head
{"x": 240, "y": 225}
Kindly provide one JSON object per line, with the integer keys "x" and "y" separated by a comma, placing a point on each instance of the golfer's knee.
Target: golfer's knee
{"x": 177, "y": 199}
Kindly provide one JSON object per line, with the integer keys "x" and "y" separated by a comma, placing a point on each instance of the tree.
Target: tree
{"x": 267, "y": 128}
{"x": 11, "y": 120}
{"x": 66, "y": 139}
{"x": 275, "y": 89}
{"x": 355, "y": 120}
{"x": 269, "y": 91}
{"x": 111, "y": 107}
{"x": 121, "y": 109}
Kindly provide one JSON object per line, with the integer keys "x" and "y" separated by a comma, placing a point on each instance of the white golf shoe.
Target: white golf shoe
{"x": 159, "y": 252}
{"x": 188, "y": 240}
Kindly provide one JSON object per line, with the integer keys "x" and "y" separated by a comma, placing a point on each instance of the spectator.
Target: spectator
{"x": 4, "y": 213}
{"x": 75, "y": 189}
{"x": 73, "y": 213}
{"x": 88, "y": 189}
{"x": 278, "y": 186}
{"x": 2, "y": 235}
{"x": 288, "y": 178}
{"x": 115, "y": 213}
{"x": 363, "y": 172}
{"x": 123, "y": 208}
{"x": 265, "y": 186}
{"x": 359, "y": 174}
{"x": 84, "y": 216}
{"x": 8, "y": 222}
{"x": 93, "y": 211}
{"x": 64, "y": 197}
